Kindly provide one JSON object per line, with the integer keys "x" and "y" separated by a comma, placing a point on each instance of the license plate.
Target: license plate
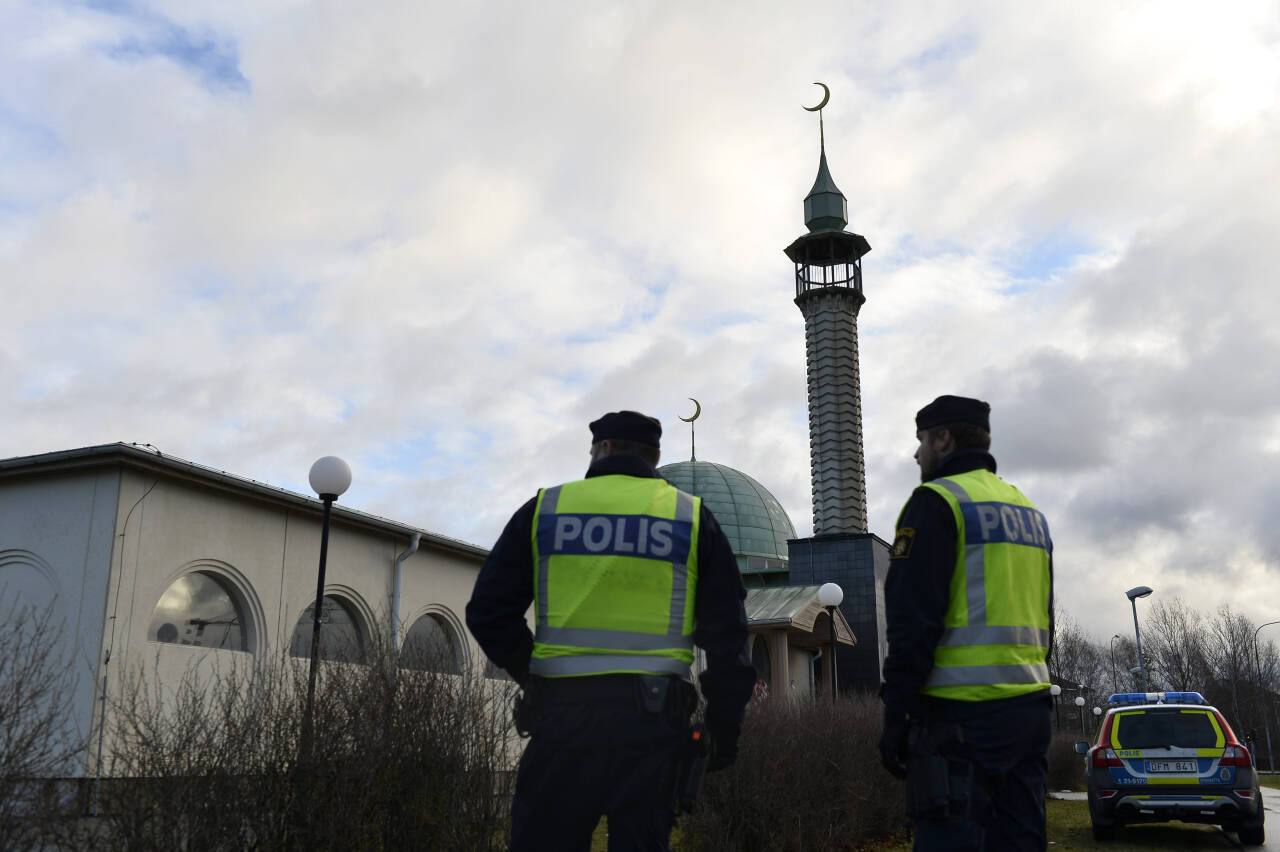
{"x": 1171, "y": 766}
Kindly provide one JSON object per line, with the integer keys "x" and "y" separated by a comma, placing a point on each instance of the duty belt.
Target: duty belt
{"x": 619, "y": 689}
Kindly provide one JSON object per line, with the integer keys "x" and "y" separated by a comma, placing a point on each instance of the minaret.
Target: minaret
{"x": 828, "y": 263}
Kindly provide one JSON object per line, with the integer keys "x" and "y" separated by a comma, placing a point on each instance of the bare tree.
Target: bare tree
{"x": 1175, "y": 647}
{"x": 1229, "y": 650}
{"x": 1077, "y": 663}
{"x": 36, "y": 736}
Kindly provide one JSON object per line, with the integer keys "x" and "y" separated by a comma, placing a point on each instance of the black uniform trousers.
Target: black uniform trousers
{"x": 595, "y": 751}
{"x": 997, "y": 776}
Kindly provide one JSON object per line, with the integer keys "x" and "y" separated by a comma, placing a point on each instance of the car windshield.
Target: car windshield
{"x": 1166, "y": 727}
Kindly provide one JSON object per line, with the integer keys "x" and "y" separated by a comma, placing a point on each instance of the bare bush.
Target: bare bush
{"x": 807, "y": 777}
{"x": 1066, "y": 768}
{"x": 397, "y": 759}
{"x": 36, "y": 734}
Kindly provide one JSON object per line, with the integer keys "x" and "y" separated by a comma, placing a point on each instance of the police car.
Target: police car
{"x": 1164, "y": 756}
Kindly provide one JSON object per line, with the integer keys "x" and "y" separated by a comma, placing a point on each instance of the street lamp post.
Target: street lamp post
{"x": 330, "y": 477}
{"x": 1097, "y": 717}
{"x": 1257, "y": 681}
{"x": 1115, "y": 684}
{"x": 1055, "y": 691}
{"x": 830, "y": 596}
{"x": 1080, "y": 710}
{"x": 1133, "y": 595}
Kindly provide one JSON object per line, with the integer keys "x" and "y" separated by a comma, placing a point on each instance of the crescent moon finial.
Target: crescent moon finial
{"x": 826, "y": 96}
{"x": 693, "y": 441}
{"x": 697, "y": 411}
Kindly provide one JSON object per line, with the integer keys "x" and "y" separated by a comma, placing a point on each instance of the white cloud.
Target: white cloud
{"x": 441, "y": 239}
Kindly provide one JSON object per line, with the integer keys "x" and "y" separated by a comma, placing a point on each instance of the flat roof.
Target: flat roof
{"x": 151, "y": 459}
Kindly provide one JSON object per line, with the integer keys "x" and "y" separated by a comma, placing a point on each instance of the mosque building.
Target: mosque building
{"x": 155, "y": 566}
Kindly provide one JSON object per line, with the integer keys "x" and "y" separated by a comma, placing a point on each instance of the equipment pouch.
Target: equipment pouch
{"x": 928, "y": 788}
{"x": 652, "y": 689}
{"x": 929, "y": 772}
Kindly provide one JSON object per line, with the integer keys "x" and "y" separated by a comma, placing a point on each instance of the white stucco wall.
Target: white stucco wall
{"x": 106, "y": 542}
{"x": 55, "y": 546}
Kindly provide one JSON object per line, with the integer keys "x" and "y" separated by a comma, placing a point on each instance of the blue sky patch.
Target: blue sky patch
{"x": 213, "y": 58}
{"x": 931, "y": 64}
{"x": 1045, "y": 257}
{"x": 945, "y": 53}
{"x": 22, "y": 140}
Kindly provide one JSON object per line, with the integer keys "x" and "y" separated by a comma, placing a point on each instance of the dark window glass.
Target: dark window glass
{"x": 430, "y": 646}
{"x": 1159, "y": 728}
{"x": 340, "y": 637}
{"x": 198, "y": 610}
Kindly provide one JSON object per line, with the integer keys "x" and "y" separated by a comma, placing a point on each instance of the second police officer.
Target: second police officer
{"x": 968, "y": 604}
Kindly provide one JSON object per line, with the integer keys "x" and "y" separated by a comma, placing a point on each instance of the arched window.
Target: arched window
{"x": 341, "y": 639}
{"x": 198, "y": 609}
{"x": 431, "y": 646}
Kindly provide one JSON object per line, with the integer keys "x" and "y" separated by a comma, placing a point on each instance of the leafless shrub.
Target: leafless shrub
{"x": 807, "y": 777}
{"x": 36, "y": 735}
{"x": 1066, "y": 768}
{"x": 397, "y": 759}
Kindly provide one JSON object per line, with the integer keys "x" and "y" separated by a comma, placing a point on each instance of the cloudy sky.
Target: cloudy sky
{"x": 437, "y": 239}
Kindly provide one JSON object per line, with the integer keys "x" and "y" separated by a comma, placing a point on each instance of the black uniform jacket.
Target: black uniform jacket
{"x": 918, "y": 589}
{"x": 504, "y": 592}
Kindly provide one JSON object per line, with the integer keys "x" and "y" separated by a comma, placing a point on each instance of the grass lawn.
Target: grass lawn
{"x": 1068, "y": 824}
{"x": 1069, "y": 829}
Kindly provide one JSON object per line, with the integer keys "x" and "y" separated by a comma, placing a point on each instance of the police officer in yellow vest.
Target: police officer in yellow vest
{"x": 626, "y": 574}
{"x": 968, "y": 605}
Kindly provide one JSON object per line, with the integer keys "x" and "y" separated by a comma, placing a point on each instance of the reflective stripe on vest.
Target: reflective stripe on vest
{"x": 1018, "y": 671}
{"x": 597, "y": 650}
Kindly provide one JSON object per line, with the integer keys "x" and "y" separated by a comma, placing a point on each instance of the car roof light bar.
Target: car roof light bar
{"x": 1131, "y": 699}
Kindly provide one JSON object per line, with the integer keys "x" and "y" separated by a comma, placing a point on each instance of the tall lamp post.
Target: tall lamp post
{"x": 330, "y": 477}
{"x": 1133, "y": 595}
{"x": 1257, "y": 681}
{"x": 1115, "y": 684}
{"x": 1055, "y": 691}
{"x": 830, "y": 596}
{"x": 1080, "y": 710}
{"x": 1097, "y": 717}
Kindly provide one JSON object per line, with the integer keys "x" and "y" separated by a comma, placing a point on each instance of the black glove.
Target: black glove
{"x": 893, "y": 743}
{"x": 724, "y": 749}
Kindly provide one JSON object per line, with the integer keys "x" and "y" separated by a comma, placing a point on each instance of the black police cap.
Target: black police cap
{"x": 627, "y": 426}
{"x": 954, "y": 409}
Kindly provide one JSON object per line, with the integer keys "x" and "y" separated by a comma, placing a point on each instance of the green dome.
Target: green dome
{"x": 754, "y": 521}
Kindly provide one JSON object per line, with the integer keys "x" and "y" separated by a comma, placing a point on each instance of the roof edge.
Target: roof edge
{"x": 131, "y": 455}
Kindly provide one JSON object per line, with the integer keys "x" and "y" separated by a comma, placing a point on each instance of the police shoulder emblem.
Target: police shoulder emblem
{"x": 902, "y": 543}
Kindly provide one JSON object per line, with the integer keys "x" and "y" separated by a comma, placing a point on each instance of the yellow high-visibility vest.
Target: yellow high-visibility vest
{"x": 995, "y": 640}
{"x": 615, "y": 576}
